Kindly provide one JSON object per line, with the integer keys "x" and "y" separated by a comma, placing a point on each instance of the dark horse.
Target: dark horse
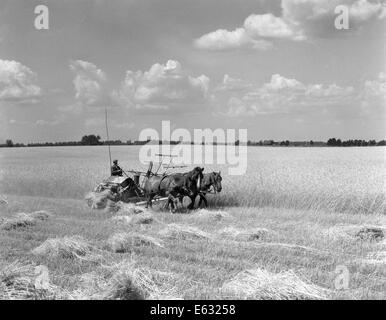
{"x": 174, "y": 186}
{"x": 208, "y": 181}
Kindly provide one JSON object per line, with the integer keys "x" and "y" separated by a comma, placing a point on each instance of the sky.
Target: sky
{"x": 278, "y": 68}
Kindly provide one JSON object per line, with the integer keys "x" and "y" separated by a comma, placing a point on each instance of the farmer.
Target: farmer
{"x": 116, "y": 170}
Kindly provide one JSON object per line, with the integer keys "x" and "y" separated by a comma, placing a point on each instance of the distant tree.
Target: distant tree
{"x": 331, "y": 142}
{"x": 311, "y": 143}
{"x": 90, "y": 140}
{"x": 9, "y": 143}
{"x": 382, "y": 143}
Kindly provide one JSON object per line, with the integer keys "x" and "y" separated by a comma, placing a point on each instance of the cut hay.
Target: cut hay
{"x": 212, "y": 215}
{"x": 122, "y": 219}
{"x": 141, "y": 218}
{"x": 260, "y": 284}
{"x": 20, "y": 220}
{"x": 370, "y": 233}
{"x": 182, "y": 232}
{"x": 125, "y": 242}
{"x": 125, "y": 281}
{"x": 66, "y": 247}
{"x": 128, "y": 208}
{"x": 247, "y": 234}
{"x": 21, "y": 281}
{"x": 40, "y": 215}
{"x": 367, "y": 233}
{"x": 100, "y": 200}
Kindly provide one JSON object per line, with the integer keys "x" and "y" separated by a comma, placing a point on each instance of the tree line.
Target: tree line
{"x": 333, "y": 142}
{"x": 95, "y": 140}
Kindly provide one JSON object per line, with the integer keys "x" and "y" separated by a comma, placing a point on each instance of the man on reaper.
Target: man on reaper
{"x": 116, "y": 169}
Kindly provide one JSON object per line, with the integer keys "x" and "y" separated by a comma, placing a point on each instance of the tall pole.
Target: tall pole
{"x": 108, "y": 139}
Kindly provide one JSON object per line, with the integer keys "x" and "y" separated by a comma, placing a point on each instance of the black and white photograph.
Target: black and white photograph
{"x": 192, "y": 150}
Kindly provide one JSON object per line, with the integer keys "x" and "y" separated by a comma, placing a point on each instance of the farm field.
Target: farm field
{"x": 285, "y": 230}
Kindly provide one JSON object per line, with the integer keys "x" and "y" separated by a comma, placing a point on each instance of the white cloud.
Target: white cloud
{"x": 269, "y": 26}
{"x": 364, "y": 10}
{"x": 163, "y": 86}
{"x": 222, "y": 39}
{"x": 300, "y": 20}
{"x": 89, "y": 83}
{"x": 286, "y": 95}
{"x": 230, "y": 84}
{"x": 17, "y": 82}
{"x": 316, "y": 17}
{"x": 377, "y": 88}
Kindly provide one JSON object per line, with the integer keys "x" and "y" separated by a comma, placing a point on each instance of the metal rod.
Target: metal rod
{"x": 107, "y": 134}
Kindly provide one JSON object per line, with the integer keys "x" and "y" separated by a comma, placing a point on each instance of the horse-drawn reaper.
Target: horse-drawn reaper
{"x": 147, "y": 188}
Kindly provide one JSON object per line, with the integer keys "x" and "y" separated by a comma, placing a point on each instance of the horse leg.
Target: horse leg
{"x": 192, "y": 201}
{"x": 149, "y": 201}
{"x": 203, "y": 199}
{"x": 171, "y": 201}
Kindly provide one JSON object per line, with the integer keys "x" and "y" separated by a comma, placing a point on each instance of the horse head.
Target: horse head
{"x": 216, "y": 181}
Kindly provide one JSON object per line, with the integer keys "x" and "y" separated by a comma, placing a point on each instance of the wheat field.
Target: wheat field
{"x": 281, "y": 231}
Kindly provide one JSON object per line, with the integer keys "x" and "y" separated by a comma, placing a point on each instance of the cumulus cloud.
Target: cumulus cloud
{"x": 230, "y": 84}
{"x": 299, "y": 20}
{"x": 269, "y": 26}
{"x": 316, "y": 17}
{"x": 17, "y": 82}
{"x": 90, "y": 83}
{"x": 286, "y": 95}
{"x": 163, "y": 86}
{"x": 222, "y": 39}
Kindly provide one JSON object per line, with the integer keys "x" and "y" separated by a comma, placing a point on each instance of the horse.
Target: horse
{"x": 173, "y": 186}
{"x": 209, "y": 180}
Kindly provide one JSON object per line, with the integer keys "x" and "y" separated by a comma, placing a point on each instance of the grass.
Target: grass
{"x": 282, "y": 231}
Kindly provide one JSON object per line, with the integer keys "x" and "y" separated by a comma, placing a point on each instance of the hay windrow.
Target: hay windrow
{"x": 129, "y": 208}
{"x": 125, "y": 242}
{"x": 260, "y": 284}
{"x": 121, "y": 219}
{"x": 40, "y": 215}
{"x": 125, "y": 281}
{"x": 100, "y": 200}
{"x": 67, "y": 247}
{"x": 247, "y": 234}
{"x": 211, "y": 215}
{"x": 20, "y": 281}
{"x": 183, "y": 232}
{"x": 140, "y": 218}
{"x": 19, "y": 220}
{"x": 357, "y": 232}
